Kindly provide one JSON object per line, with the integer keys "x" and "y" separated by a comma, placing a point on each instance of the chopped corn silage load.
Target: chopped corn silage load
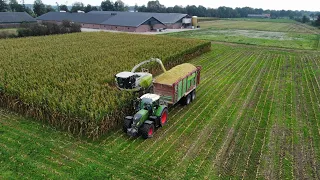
{"x": 174, "y": 74}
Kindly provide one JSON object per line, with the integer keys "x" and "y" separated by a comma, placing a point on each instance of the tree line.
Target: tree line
{"x": 221, "y": 12}
{"x": 40, "y": 8}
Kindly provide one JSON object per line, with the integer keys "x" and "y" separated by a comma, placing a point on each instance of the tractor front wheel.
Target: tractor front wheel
{"x": 127, "y": 124}
{"x": 164, "y": 117}
{"x": 147, "y": 131}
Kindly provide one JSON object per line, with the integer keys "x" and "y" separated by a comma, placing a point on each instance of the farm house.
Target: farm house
{"x": 14, "y": 19}
{"x": 171, "y": 20}
{"x": 114, "y": 21}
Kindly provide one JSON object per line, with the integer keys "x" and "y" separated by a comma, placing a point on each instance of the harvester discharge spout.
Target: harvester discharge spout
{"x": 148, "y": 61}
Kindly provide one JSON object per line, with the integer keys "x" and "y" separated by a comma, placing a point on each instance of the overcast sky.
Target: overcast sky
{"x": 312, "y": 5}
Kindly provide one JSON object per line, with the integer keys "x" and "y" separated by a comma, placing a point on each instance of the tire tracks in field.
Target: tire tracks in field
{"x": 311, "y": 124}
{"x": 240, "y": 123}
{"x": 302, "y": 113}
{"x": 112, "y": 165}
{"x": 197, "y": 102}
{"x": 273, "y": 126}
{"x": 199, "y": 143}
{"x": 244, "y": 174}
{"x": 224, "y": 150}
{"x": 195, "y": 110}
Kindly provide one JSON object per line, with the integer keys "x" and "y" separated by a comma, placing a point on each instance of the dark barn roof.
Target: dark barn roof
{"x": 125, "y": 20}
{"x": 167, "y": 18}
{"x": 15, "y": 17}
{"x": 75, "y": 17}
{"x": 118, "y": 19}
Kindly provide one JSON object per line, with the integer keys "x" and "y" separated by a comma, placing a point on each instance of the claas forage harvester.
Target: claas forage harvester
{"x": 175, "y": 85}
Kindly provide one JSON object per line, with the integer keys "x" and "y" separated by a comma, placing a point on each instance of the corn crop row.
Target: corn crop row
{"x": 68, "y": 80}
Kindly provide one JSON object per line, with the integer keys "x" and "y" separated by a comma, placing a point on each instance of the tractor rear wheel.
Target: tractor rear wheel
{"x": 147, "y": 131}
{"x": 126, "y": 124}
{"x": 164, "y": 117}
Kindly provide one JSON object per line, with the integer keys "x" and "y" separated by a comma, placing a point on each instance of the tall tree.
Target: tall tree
{"x": 3, "y": 6}
{"x": 107, "y": 5}
{"x": 312, "y": 16}
{"x": 15, "y": 6}
{"x": 89, "y": 8}
{"x": 136, "y": 8}
{"x": 192, "y": 10}
{"x": 305, "y": 19}
{"x": 119, "y": 6}
{"x": 317, "y": 23}
{"x": 63, "y": 7}
{"x": 143, "y": 8}
{"x": 178, "y": 9}
{"x": 202, "y": 11}
{"x": 39, "y": 8}
{"x": 49, "y": 8}
{"x": 30, "y": 12}
{"x": 77, "y": 6}
{"x": 155, "y": 6}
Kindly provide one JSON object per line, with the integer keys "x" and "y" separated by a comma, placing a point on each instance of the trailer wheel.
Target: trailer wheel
{"x": 127, "y": 124}
{"x": 147, "y": 131}
{"x": 188, "y": 99}
{"x": 164, "y": 117}
{"x": 193, "y": 95}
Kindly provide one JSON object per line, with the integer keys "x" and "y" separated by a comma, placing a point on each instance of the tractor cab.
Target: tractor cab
{"x": 149, "y": 102}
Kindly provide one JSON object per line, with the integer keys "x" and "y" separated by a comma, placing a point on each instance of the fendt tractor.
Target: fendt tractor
{"x": 173, "y": 86}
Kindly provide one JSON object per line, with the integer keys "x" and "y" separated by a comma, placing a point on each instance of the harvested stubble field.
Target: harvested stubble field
{"x": 254, "y": 37}
{"x": 262, "y": 20}
{"x": 260, "y": 26}
{"x": 256, "y": 116}
{"x": 67, "y": 80}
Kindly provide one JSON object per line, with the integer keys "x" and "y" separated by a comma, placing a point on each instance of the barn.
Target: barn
{"x": 111, "y": 21}
{"x": 171, "y": 20}
{"x": 14, "y": 19}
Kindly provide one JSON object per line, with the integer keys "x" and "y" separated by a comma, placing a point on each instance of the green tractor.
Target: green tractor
{"x": 151, "y": 113}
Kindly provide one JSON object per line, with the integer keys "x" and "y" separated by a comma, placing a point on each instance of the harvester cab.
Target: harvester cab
{"x": 136, "y": 81}
{"x": 151, "y": 114}
{"x": 133, "y": 81}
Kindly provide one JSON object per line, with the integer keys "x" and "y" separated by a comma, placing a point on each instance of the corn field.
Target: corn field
{"x": 68, "y": 80}
{"x": 256, "y": 116}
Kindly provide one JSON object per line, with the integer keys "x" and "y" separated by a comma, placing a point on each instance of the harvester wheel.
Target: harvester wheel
{"x": 147, "y": 131}
{"x": 164, "y": 117}
{"x": 188, "y": 99}
{"x": 193, "y": 95}
{"x": 127, "y": 124}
